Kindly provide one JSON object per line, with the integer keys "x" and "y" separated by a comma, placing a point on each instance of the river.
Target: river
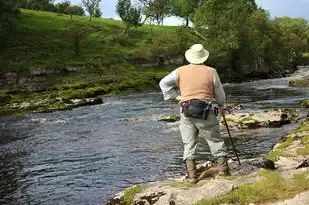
{"x": 86, "y": 155}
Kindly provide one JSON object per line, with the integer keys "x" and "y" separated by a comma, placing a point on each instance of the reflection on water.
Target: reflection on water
{"x": 86, "y": 155}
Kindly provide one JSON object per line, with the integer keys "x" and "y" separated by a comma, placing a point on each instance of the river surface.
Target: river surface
{"x": 86, "y": 155}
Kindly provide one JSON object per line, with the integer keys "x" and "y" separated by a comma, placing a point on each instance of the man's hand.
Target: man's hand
{"x": 224, "y": 111}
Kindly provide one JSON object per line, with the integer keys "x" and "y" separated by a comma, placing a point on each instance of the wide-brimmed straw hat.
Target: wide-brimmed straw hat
{"x": 197, "y": 54}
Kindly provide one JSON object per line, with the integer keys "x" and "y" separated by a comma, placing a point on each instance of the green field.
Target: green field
{"x": 108, "y": 61}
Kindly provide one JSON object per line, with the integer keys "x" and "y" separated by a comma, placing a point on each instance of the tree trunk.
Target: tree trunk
{"x": 187, "y": 22}
{"x": 90, "y": 17}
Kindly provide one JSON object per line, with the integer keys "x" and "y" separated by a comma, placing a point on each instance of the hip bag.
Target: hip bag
{"x": 196, "y": 109}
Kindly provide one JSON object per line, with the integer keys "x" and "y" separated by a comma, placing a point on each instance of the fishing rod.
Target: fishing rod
{"x": 228, "y": 130}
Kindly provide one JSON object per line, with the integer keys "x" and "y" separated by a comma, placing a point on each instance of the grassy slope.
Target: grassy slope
{"x": 43, "y": 41}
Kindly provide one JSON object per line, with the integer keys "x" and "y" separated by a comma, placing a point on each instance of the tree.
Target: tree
{"x": 75, "y": 10}
{"x": 8, "y": 14}
{"x": 130, "y": 15}
{"x": 62, "y": 8}
{"x": 185, "y": 8}
{"x": 160, "y": 9}
{"x": 43, "y": 5}
{"x": 97, "y": 13}
{"x": 91, "y": 6}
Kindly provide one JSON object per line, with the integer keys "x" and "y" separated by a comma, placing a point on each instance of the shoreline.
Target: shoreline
{"x": 289, "y": 168}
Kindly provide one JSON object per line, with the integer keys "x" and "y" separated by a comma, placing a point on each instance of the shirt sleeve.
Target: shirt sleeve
{"x": 219, "y": 91}
{"x": 168, "y": 86}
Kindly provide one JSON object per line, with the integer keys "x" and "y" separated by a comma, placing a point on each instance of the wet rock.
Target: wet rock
{"x": 84, "y": 102}
{"x": 269, "y": 118}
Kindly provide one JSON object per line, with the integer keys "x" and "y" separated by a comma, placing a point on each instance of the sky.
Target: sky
{"x": 277, "y": 8}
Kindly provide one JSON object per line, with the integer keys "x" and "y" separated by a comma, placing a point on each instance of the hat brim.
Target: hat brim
{"x": 194, "y": 59}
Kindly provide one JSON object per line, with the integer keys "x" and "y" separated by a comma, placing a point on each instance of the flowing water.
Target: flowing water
{"x": 86, "y": 155}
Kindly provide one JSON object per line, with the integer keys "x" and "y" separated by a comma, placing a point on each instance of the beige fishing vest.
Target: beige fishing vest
{"x": 196, "y": 82}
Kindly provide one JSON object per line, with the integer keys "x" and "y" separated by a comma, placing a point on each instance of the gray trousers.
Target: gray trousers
{"x": 191, "y": 129}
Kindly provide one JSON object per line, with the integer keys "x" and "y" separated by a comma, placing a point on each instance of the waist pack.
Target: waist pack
{"x": 196, "y": 109}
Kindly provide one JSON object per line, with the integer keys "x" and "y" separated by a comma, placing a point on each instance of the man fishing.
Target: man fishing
{"x": 202, "y": 99}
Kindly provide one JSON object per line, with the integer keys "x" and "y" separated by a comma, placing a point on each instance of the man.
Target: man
{"x": 200, "y": 90}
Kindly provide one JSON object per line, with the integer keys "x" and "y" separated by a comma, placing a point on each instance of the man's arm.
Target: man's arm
{"x": 219, "y": 91}
{"x": 168, "y": 86}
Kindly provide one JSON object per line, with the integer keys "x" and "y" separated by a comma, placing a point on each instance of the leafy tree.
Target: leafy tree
{"x": 43, "y": 5}
{"x": 97, "y": 12}
{"x": 62, "y": 7}
{"x": 91, "y": 6}
{"x": 130, "y": 15}
{"x": 185, "y": 8}
{"x": 159, "y": 9}
{"x": 75, "y": 10}
{"x": 8, "y": 13}
{"x": 145, "y": 5}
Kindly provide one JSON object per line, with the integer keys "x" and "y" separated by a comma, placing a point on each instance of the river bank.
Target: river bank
{"x": 264, "y": 184}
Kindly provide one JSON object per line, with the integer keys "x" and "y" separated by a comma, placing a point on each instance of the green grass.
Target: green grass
{"x": 271, "y": 189}
{"x": 106, "y": 62}
{"x": 43, "y": 40}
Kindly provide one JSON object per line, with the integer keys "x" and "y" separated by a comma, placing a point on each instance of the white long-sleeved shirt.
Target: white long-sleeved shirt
{"x": 170, "y": 89}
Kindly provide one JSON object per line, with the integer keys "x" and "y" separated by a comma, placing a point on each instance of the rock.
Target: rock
{"x": 269, "y": 118}
{"x": 235, "y": 106}
{"x": 171, "y": 118}
{"x": 305, "y": 163}
{"x": 149, "y": 198}
{"x": 300, "y": 199}
{"x": 250, "y": 166}
{"x": 41, "y": 71}
{"x": 299, "y": 83}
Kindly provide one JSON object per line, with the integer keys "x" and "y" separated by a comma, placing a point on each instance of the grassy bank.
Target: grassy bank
{"x": 41, "y": 58}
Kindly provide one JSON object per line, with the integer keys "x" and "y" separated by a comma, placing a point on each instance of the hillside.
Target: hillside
{"x": 39, "y": 59}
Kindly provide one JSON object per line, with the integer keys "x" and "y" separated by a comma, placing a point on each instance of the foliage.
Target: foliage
{"x": 243, "y": 39}
{"x": 97, "y": 12}
{"x": 185, "y": 9}
{"x": 75, "y": 10}
{"x": 62, "y": 7}
{"x": 91, "y": 6}
{"x": 159, "y": 9}
{"x": 129, "y": 14}
{"x": 8, "y": 13}
{"x": 43, "y": 5}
